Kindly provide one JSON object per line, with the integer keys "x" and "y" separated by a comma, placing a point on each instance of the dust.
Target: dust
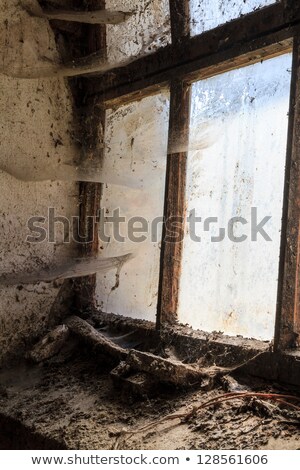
{"x": 74, "y": 403}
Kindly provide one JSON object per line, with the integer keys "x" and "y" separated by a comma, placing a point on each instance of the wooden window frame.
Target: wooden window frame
{"x": 265, "y": 33}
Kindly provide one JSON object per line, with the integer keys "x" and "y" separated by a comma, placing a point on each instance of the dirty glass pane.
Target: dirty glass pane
{"x": 136, "y": 150}
{"x": 208, "y": 14}
{"x": 143, "y": 33}
{"x": 236, "y": 168}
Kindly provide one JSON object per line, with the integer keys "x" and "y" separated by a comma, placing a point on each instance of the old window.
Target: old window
{"x": 235, "y": 179}
{"x": 135, "y": 158}
{"x": 232, "y": 68}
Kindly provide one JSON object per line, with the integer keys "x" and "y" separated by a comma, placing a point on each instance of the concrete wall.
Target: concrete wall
{"x": 145, "y": 32}
{"x": 36, "y": 132}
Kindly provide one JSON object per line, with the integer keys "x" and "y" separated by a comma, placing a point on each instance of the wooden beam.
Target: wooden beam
{"x": 165, "y": 370}
{"x": 252, "y": 56}
{"x": 180, "y": 19}
{"x": 237, "y": 57}
{"x": 242, "y": 37}
{"x": 90, "y": 193}
{"x": 89, "y": 335}
{"x": 127, "y": 94}
{"x": 50, "y": 345}
{"x": 287, "y": 329}
{"x": 174, "y": 211}
{"x": 161, "y": 369}
{"x": 291, "y": 7}
{"x": 89, "y": 17}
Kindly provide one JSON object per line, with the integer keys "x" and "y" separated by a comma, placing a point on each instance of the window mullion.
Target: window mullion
{"x": 180, "y": 19}
{"x": 288, "y": 309}
{"x": 175, "y": 204}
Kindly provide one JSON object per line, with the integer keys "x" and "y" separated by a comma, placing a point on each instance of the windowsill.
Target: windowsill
{"x": 214, "y": 348}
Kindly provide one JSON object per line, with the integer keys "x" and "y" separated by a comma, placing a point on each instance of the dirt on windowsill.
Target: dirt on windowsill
{"x": 70, "y": 402}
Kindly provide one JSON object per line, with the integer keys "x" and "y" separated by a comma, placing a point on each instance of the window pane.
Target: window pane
{"x": 149, "y": 26}
{"x": 236, "y": 169}
{"x": 136, "y": 150}
{"x": 208, "y": 14}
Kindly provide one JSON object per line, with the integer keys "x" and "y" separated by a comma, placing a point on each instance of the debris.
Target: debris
{"x": 165, "y": 370}
{"x": 93, "y": 338}
{"x": 231, "y": 385}
{"x": 183, "y": 417}
{"x": 119, "y": 373}
{"x": 133, "y": 384}
{"x": 260, "y": 408}
{"x": 50, "y": 345}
